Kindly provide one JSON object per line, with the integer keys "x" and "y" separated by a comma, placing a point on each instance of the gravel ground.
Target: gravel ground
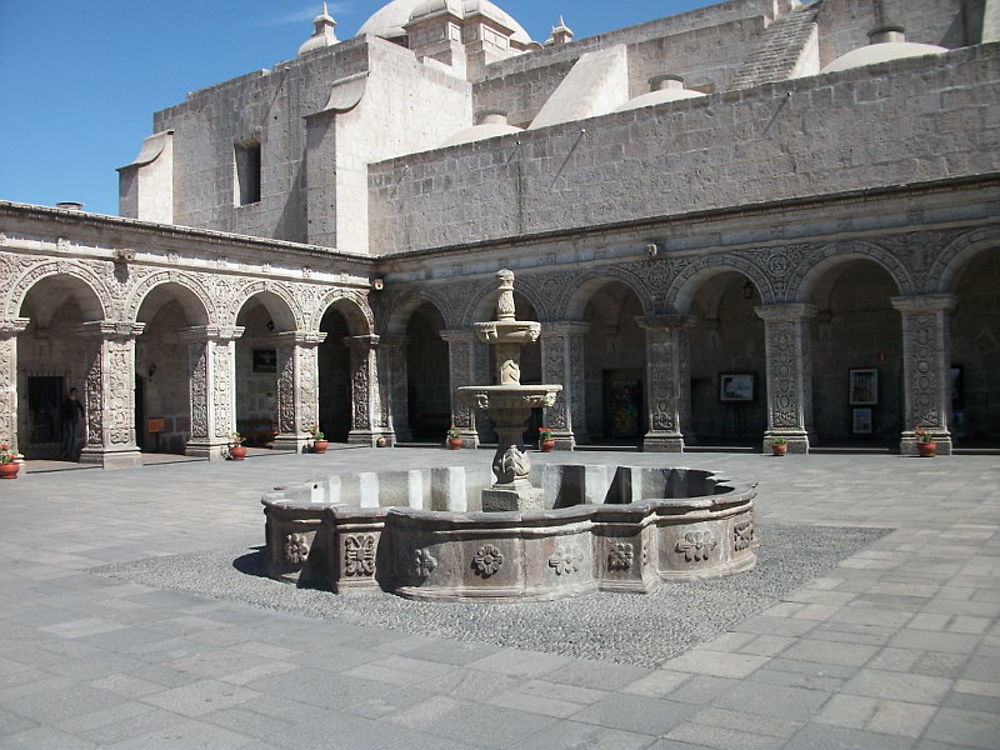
{"x": 624, "y": 628}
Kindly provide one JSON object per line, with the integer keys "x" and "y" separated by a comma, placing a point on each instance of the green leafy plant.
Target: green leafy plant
{"x": 545, "y": 433}
{"x": 7, "y": 456}
{"x": 779, "y": 441}
{"x": 236, "y": 438}
{"x": 316, "y": 432}
{"x": 454, "y": 432}
{"x": 923, "y": 435}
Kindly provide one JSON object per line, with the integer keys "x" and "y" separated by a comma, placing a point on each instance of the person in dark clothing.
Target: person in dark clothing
{"x": 71, "y": 412}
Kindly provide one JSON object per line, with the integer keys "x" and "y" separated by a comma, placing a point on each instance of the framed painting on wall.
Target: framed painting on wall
{"x": 861, "y": 422}
{"x": 736, "y": 387}
{"x": 265, "y": 360}
{"x": 863, "y": 386}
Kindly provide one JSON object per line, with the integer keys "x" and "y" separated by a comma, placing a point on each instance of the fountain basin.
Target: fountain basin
{"x": 623, "y": 529}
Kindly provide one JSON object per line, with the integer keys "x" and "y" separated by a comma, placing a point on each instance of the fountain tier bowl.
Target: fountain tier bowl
{"x": 604, "y": 528}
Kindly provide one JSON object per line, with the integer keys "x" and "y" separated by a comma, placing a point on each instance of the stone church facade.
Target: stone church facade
{"x": 749, "y": 221}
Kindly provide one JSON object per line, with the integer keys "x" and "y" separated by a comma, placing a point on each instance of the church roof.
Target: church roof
{"x": 389, "y": 21}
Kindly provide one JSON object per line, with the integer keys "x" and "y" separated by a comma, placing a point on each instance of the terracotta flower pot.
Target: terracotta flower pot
{"x": 238, "y": 452}
{"x": 547, "y": 446}
{"x": 779, "y": 450}
{"x": 927, "y": 450}
{"x": 9, "y": 471}
{"x": 454, "y": 443}
{"x": 381, "y": 442}
{"x": 320, "y": 446}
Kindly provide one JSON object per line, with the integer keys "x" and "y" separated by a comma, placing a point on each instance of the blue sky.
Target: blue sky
{"x": 81, "y": 80}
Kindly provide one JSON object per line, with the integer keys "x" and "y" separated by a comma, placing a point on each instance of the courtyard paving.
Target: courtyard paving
{"x": 896, "y": 647}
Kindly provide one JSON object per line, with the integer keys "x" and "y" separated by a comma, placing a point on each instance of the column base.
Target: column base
{"x": 211, "y": 451}
{"x": 470, "y": 439}
{"x": 663, "y": 442}
{"x": 291, "y": 442}
{"x": 371, "y": 437}
{"x": 126, "y": 458}
{"x": 798, "y": 442}
{"x": 908, "y": 443}
{"x": 565, "y": 440}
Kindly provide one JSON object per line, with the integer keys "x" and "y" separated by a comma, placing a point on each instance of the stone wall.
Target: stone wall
{"x": 889, "y": 124}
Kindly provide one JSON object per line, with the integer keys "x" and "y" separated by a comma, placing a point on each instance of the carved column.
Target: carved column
{"x": 110, "y": 394}
{"x": 395, "y": 380}
{"x": 665, "y": 389}
{"x": 562, "y": 362}
{"x": 368, "y": 421}
{"x": 9, "y": 329}
{"x": 298, "y": 394}
{"x": 212, "y": 388}
{"x": 789, "y": 373}
{"x": 464, "y": 359}
{"x": 926, "y": 368}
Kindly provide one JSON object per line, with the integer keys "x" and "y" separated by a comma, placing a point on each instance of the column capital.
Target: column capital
{"x": 197, "y": 334}
{"x": 553, "y": 328}
{"x": 665, "y": 322}
{"x": 111, "y": 329}
{"x": 299, "y": 338}
{"x": 924, "y": 303}
{"x": 363, "y": 343}
{"x": 394, "y": 339}
{"x": 13, "y": 326}
{"x": 459, "y": 336}
{"x": 785, "y": 311}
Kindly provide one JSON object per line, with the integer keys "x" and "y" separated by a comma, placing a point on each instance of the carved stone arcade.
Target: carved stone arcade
{"x": 9, "y": 330}
{"x": 298, "y": 391}
{"x": 463, "y": 356}
{"x": 212, "y": 370}
{"x": 562, "y": 362}
{"x": 666, "y": 389}
{"x": 395, "y": 376}
{"x": 369, "y": 421}
{"x": 110, "y": 394}
{"x": 926, "y": 363}
{"x": 789, "y": 373}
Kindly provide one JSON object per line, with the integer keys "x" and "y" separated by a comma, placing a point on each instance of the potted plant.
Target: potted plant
{"x": 779, "y": 446}
{"x": 320, "y": 443}
{"x": 8, "y": 462}
{"x": 926, "y": 446}
{"x": 454, "y": 438}
{"x": 237, "y": 451}
{"x": 546, "y": 443}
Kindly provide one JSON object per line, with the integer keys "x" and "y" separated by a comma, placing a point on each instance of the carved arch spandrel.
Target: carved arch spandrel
{"x": 947, "y": 268}
{"x": 242, "y": 294}
{"x": 580, "y": 287}
{"x": 140, "y": 292}
{"x": 814, "y": 266}
{"x": 693, "y": 276}
{"x": 359, "y": 315}
{"x": 17, "y": 293}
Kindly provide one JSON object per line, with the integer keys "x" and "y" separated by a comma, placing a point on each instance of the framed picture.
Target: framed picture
{"x": 265, "y": 360}
{"x": 861, "y": 421}
{"x": 863, "y": 386}
{"x": 736, "y": 387}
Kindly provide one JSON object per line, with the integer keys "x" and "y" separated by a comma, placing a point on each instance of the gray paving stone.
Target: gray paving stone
{"x": 598, "y": 675}
{"x": 777, "y": 701}
{"x": 701, "y": 689}
{"x": 184, "y": 733}
{"x": 572, "y": 735}
{"x": 634, "y": 713}
{"x": 896, "y": 686}
{"x": 52, "y": 706}
{"x": 11, "y": 723}
{"x": 724, "y": 738}
{"x": 476, "y": 724}
{"x": 819, "y": 737}
{"x": 965, "y": 728}
{"x": 846, "y": 654}
{"x": 202, "y": 697}
{"x": 47, "y": 738}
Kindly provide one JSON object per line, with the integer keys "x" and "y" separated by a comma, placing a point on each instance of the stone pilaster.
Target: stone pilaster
{"x": 926, "y": 368}
{"x": 395, "y": 377}
{"x": 298, "y": 394}
{"x": 212, "y": 388}
{"x": 665, "y": 389}
{"x": 789, "y": 373}
{"x": 462, "y": 368}
{"x": 9, "y": 329}
{"x": 562, "y": 362}
{"x": 368, "y": 420}
{"x": 109, "y": 393}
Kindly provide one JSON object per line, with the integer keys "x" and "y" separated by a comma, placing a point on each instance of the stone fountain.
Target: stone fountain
{"x": 509, "y": 404}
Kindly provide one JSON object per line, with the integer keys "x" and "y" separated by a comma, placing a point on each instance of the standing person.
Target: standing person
{"x": 71, "y": 412}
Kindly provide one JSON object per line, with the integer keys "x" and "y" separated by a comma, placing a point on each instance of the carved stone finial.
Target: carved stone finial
{"x": 505, "y": 304}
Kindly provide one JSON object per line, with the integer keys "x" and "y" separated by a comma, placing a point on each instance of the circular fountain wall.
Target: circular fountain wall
{"x": 602, "y": 528}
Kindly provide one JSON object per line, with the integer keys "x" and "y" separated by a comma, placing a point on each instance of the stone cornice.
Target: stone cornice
{"x": 789, "y": 311}
{"x": 924, "y": 303}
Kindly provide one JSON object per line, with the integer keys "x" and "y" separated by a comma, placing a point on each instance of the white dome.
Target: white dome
{"x": 666, "y": 88}
{"x": 389, "y": 20}
{"x": 427, "y": 7}
{"x": 883, "y": 52}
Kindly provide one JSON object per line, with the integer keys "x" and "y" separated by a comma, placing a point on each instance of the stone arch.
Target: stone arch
{"x": 400, "y": 314}
{"x": 815, "y": 265}
{"x": 581, "y": 288}
{"x": 354, "y": 307}
{"x": 687, "y": 283}
{"x": 948, "y": 266}
{"x": 193, "y": 297}
{"x": 95, "y": 301}
{"x": 278, "y": 300}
